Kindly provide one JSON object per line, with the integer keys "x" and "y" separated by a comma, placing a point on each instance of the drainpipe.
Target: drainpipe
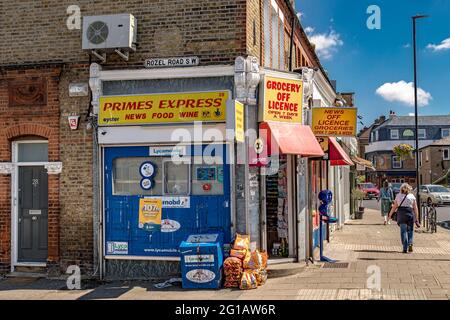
{"x": 291, "y": 45}
{"x": 95, "y": 86}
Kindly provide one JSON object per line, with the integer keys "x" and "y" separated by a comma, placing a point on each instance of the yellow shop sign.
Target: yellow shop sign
{"x": 333, "y": 121}
{"x": 282, "y": 100}
{"x": 163, "y": 108}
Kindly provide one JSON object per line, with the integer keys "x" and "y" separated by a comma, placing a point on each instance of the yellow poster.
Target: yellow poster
{"x": 150, "y": 213}
{"x": 282, "y": 100}
{"x": 239, "y": 121}
{"x": 163, "y": 108}
{"x": 332, "y": 121}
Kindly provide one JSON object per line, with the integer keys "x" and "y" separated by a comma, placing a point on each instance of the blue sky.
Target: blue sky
{"x": 364, "y": 61}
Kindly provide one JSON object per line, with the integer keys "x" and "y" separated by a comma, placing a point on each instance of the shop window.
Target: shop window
{"x": 32, "y": 152}
{"x": 176, "y": 178}
{"x": 126, "y": 176}
{"x": 207, "y": 176}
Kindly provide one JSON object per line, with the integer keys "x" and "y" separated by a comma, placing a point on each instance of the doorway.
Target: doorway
{"x": 33, "y": 214}
{"x": 31, "y": 203}
{"x": 279, "y": 207}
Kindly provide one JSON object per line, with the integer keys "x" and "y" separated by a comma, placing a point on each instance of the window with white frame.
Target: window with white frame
{"x": 376, "y": 135}
{"x": 426, "y": 155}
{"x": 396, "y": 162}
{"x": 394, "y": 134}
{"x": 422, "y": 134}
{"x": 446, "y": 154}
{"x": 445, "y": 132}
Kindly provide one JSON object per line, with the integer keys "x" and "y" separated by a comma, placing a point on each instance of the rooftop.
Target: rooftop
{"x": 423, "y": 120}
{"x": 441, "y": 142}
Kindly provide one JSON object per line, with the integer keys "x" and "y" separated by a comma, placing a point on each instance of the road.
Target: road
{"x": 443, "y": 213}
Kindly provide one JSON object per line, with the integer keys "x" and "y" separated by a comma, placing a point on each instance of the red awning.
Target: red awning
{"x": 338, "y": 157}
{"x": 292, "y": 139}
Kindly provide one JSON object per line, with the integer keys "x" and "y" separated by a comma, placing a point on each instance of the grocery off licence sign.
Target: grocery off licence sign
{"x": 282, "y": 100}
{"x": 163, "y": 108}
{"x": 340, "y": 122}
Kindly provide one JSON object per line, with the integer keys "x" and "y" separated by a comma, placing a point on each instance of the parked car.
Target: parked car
{"x": 370, "y": 190}
{"x": 396, "y": 188}
{"x": 434, "y": 194}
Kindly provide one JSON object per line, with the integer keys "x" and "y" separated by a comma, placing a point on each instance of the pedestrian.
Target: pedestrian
{"x": 387, "y": 199}
{"x": 407, "y": 215}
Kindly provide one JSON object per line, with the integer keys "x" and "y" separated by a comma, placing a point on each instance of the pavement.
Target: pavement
{"x": 370, "y": 267}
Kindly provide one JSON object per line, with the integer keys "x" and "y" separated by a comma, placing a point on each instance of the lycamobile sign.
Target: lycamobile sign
{"x": 175, "y": 202}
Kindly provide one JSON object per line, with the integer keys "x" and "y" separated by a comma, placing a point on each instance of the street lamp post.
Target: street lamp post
{"x": 416, "y": 113}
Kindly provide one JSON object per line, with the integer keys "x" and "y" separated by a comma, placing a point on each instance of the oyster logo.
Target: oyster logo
{"x": 168, "y": 225}
{"x": 200, "y": 275}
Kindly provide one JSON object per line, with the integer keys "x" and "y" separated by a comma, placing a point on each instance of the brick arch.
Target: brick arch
{"x": 7, "y": 135}
{"x": 28, "y": 129}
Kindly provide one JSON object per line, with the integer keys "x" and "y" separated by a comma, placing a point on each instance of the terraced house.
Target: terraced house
{"x": 400, "y": 129}
{"x": 75, "y": 166}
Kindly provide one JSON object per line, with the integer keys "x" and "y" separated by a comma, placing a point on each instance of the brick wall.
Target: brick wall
{"x": 76, "y": 195}
{"x": 435, "y": 167}
{"x": 213, "y": 30}
{"x": 29, "y": 120}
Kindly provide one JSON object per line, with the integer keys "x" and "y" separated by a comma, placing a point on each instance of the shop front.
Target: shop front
{"x": 328, "y": 173}
{"x": 166, "y": 171}
{"x": 287, "y": 143}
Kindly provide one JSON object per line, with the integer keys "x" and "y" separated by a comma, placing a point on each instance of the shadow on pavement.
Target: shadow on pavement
{"x": 31, "y": 284}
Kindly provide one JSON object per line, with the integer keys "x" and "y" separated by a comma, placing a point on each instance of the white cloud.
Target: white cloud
{"x": 407, "y": 45}
{"x": 300, "y": 15}
{"x": 326, "y": 43}
{"x": 444, "y": 45}
{"x": 309, "y": 30}
{"x": 403, "y": 92}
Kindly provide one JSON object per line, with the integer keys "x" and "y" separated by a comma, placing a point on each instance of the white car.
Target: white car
{"x": 434, "y": 194}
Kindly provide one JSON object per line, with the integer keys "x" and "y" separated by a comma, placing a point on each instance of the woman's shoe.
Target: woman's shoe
{"x": 410, "y": 248}
{"x": 385, "y": 223}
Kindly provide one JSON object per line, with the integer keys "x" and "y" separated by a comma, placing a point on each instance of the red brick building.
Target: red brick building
{"x": 50, "y": 182}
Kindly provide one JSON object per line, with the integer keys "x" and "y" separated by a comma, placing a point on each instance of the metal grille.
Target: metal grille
{"x": 337, "y": 265}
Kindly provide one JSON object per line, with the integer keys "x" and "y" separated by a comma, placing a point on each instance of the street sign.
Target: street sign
{"x": 172, "y": 62}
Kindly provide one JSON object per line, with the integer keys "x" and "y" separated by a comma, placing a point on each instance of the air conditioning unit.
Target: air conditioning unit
{"x": 110, "y": 33}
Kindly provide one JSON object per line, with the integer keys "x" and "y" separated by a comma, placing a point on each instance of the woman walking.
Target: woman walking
{"x": 386, "y": 197}
{"x": 407, "y": 214}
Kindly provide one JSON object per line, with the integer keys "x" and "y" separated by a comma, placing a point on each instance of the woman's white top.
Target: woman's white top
{"x": 409, "y": 201}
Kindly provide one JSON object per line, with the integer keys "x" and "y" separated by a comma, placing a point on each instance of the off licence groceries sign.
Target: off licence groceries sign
{"x": 332, "y": 121}
{"x": 282, "y": 100}
{"x": 163, "y": 108}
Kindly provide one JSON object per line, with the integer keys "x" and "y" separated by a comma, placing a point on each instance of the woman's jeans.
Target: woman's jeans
{"x": 406, "y": 233}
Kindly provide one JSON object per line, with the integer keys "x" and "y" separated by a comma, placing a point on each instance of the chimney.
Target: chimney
{"x": 391, "y": 114}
